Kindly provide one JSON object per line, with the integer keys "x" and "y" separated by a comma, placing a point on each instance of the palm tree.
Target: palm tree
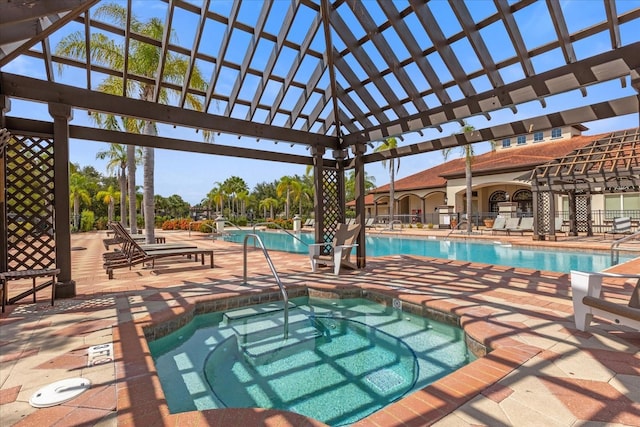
{"x": 78, "y": 192}
{"x": 350, "y": 184}
{"x": 390, "y": 144}
{"x": 468, "y": 154}
{"x": 108, "y": 197}
{"x": 117, "y": 164}
{"x": 143, "y": 60}
{"x": 287, "y": 185}
{"x": 216, "y": 197}
{"x": 268, "y": 203}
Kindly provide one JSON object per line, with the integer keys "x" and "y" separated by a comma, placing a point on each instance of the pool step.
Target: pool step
{"x": 261, "y": 338}
{"x": 231, "y": 317}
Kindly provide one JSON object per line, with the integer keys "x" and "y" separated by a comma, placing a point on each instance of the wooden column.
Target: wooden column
{"x": 318, "y": 203}
{"x": 62, "y": 114}
{"x": 339, "y": 156}
{"x": 358, "y": 150}
{"x": 5, "y": 106}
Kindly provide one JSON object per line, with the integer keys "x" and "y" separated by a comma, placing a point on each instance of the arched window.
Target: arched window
{"x": 524, "y": 199}
{"x": 495, "y": 198}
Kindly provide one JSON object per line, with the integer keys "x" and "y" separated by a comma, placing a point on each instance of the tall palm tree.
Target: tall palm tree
{"x": 109, "y": 197}
{"x": 143, "y": 60}
{"x": 268, "y": 203}
{"x": 216, "y": 197}
{"x": 287, "y": 185}
{"x": 78, "y": 193}
{"x": 390, "y": 144}
{"x": 117, "y": 164}
{"x": 468, "y": 154}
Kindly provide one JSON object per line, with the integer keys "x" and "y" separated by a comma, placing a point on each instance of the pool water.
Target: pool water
{"x": 342, "y": 360}
{"x": 462, "y": 250}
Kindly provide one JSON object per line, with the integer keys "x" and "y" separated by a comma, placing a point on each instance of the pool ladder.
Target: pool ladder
{"x": 616, "y": 247}
{"x": 285, "y": 296}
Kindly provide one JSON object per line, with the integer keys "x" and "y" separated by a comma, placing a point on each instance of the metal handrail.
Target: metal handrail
{"x": 615, "y": 247}
{"x": 281, "y": 228}
{"x": 389, "y": 226}
{"x": 285, "y": 296}
{"x": 211, "y": 226}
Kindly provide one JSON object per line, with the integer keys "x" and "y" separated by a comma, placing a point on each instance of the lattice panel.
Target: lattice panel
{"x": 29, "y": 175}
{"x": 582, "y": 213}
{"x": 544, "y": 212}
{"x": 332, "y": 209}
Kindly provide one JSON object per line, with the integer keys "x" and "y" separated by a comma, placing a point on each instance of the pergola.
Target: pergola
{"x": 608, "y": 165}
{"x": 334, "y": 76}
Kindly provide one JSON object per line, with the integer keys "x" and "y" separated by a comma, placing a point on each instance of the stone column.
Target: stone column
{"x": 62, "y": 114}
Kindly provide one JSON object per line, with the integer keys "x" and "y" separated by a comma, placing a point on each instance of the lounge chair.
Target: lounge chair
{"x": 117, "y": 236}
{"x": 310, "y": 222}
{"x": 343, "y": 243}
{"x": 511, "y": 223}
{"x": 526, "y": 225}
{"x": 370, "y": 223}
{"x": 587, "y": 301}
{"x": 133, "y": 253}
{"x": 498, "y": 225}
{"x": 558, "y": 224}
{"x": 621, "y": 225}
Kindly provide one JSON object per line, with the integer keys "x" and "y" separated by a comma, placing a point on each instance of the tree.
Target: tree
{"x": 287, "y": 185}
{"x": 78, "y": 192}
{"x": 108, "y": 197}
{"x": 468, "y": 154}
{"x": 268, "y": 203}
{"x": 390, "y": 144}
{"x": 350, "y": 184}
{"x": 216, "y": 197}
{"x": 117, "y": 164}
{"x": 143, "y": 60}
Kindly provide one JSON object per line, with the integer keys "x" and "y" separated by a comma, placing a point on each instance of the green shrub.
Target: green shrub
{"x": 419, "y": 225}
{"x": 101, "y": 223}
{"x": 87, "y": 219}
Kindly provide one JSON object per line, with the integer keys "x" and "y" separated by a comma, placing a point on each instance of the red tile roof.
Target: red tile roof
{"x": 499, "y": 161}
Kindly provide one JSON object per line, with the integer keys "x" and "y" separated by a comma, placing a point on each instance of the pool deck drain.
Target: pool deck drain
{"x": 543, "y": 368}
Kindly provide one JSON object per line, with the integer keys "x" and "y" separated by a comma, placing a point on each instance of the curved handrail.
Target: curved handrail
{"x": 390, "y": 226}
{"x": 615, "y": 246}
{"x": 211, "y": 226}
{"x": 232, "y": 224}
{"x": 285, "y": 296}
{"x": 281, "y": 228}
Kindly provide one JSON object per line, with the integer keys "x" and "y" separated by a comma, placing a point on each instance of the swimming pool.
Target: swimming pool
{"x": 463, "y": 250}
{"x": 343, "y": 360}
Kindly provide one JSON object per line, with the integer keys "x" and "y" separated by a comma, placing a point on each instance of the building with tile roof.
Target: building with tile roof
{"x": 422, "y": 197}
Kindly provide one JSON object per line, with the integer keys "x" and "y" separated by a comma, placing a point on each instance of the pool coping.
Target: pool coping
{"x": 141, "y": 398}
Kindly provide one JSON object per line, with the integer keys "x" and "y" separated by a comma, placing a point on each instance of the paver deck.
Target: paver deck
{"x": 542, "y": 371}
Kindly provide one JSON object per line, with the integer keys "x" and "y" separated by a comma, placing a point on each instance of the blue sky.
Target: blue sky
{"x": 193, "y": 175}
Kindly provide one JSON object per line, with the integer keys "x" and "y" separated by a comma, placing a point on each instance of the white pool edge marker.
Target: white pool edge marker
{"x": 59, "y": 392}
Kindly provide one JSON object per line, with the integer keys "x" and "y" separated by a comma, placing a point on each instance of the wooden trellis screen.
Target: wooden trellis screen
{"x": 29, "y": 204}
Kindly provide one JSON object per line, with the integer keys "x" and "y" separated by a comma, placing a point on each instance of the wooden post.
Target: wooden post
{"x": 62, "y": 114}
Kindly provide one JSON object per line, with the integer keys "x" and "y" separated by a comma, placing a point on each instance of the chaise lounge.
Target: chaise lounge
{"x": 133, "y": 253}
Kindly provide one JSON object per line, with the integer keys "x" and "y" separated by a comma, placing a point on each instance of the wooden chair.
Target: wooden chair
{"x": 32, "y": 274}
{"x": 586, "y": 291}
{"x": 343, "y": 243}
